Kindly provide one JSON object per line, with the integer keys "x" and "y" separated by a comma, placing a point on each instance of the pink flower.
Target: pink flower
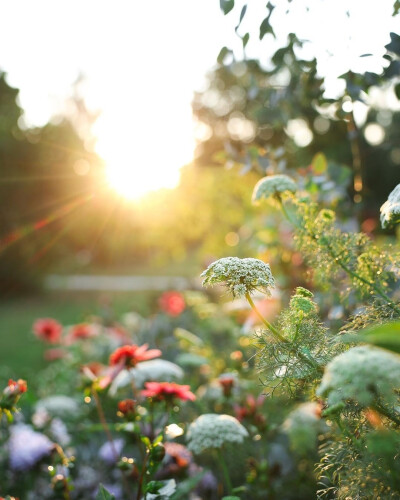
{"x": 131, "y": 355}
{"x": 168, "y": 391}
{"x": 47, "y": 329}
{"x": 172, "y": 303}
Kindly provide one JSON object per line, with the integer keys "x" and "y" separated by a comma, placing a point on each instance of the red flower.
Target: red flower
{"x": 54, "y": 354}
{"x": 172, "y": 303}
{"x": 131, "y": 355}
{"x": 82, "y": 331}
{"x": 127, "y": 406}
{"x": 226, "y": 382}
{"x": 18, "y": 387}
{"x": 249, "y": 411}
{"x": 48, "y": 329}
{"x": 167, "y": 391}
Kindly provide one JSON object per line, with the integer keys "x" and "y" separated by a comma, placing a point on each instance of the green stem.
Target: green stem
{"x": 340, "y": 263}
{"x": 225, "y": 471}
{"x": 107, "y": 432}
{"x": 142, "y": 475}
{"x": 308, "y": 359}
{"x": 270, "y": 327}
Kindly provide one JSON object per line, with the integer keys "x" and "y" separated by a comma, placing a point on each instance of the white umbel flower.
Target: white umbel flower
{"x": 361, "y": 374}
{"x": 273, "y": 185}
{"x": 390, "y": 210}
{"x": 212, "y": 431}
{"x": 241, "y": 276}
{"x": 27, "y": 447}
{"x": 59, "y": 406}
{"x": 303, "y": 426}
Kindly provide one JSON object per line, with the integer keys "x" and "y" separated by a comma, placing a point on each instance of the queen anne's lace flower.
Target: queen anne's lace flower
{"x": 303, "y": 426}
{"x": 361, "y": 374}
{"x": 241, "y": 276}
{"x": 390, "y": 210}
{"x": 58, "y": 406}
{"x": 212, "y": 431}
{"x": 272, "y": 185}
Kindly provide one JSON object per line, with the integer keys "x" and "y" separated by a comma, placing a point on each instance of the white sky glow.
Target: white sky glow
{"x": 142, "y": 61}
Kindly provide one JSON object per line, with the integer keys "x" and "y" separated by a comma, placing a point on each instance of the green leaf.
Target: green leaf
{"x": 223, "y": 53}
{"x": 386, "y": 336}
{"x": 265, "y": 26}
{"x": 103, "y": 494}
{"x": 319, "y": 163}
{"x": 245, "y": 39}
{"x": 242, "y": 14}
{"x": 189, "y": 337}
{"x": 226, "y": 6}
{"x": 397, "y": 90}
{"x": 394, "y": 45}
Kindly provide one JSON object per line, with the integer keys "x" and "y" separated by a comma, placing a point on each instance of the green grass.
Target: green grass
{"x": 21, "y": 354}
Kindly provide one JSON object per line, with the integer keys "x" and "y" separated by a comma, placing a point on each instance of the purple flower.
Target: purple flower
{"x": 107, "y": 451}
{"x": 27, "y": 447}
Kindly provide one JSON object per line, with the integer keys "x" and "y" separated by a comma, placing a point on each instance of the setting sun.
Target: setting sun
{"x": 137, "y": 161}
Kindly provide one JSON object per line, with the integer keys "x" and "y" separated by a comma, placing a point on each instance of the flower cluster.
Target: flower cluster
{"x": 390, "y": 210}
{"x": 11, "y": 395}
{"x": 212, "y": 431}
{"x": 361, "y": 374}
{"x": 272, "y": 186}
{"x": 27, "y": 447}
{"x": 241, "y": 276}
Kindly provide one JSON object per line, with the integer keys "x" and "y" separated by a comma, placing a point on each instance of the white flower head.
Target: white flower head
{"x": 390, "y": 210}
{"x": 212, "y": 431}
{"x": 241, "y": 276}
{"x": 58, "y": 406}
{"x": 361, "y": 374}
{"x": 27, "y": 447}
{"x": 273, "y": 186}
{"x": 303, "y": 426}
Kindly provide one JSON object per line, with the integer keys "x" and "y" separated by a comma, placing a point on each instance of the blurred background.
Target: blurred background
{"x": 132, "y": 134}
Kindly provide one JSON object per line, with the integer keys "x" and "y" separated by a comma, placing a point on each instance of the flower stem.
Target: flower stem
{"x": 276, "y": 333}
{"x": 142, "y": 475}
{"x": 225, "y": 471}
{"x": 270, "y": 327}
{"x": 107, "y": 432}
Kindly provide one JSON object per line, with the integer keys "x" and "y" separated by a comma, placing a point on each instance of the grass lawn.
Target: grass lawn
{"x": 21, "y": 353}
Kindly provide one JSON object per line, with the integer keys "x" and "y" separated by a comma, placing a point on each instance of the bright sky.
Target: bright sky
{"x": 142, "y": 60}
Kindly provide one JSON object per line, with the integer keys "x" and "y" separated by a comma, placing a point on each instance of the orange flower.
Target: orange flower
{"x": 131, "y": 355}
{"x": 47, "y": 329}
{"x": 172, "y": 303}
{"x": 168, "y": 391}
{"x": 127, "y": 406}
{"x": 18, "y": 387}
